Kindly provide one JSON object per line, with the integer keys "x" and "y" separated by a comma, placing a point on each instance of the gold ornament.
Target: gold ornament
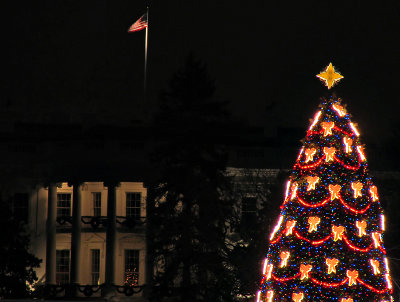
{"x": 375, "y": 266}
{"x": 329, "y": 153}
{"x": 309, "y": 152}
{"x": 329, "y": 76}
{"x": 284, "y": 258}
{"x": 334, "y": 190}
{"x": 297, "y": 297}
{"x": 327, "y": 126}
{"x": 337, "y": 232}
{"x": 357, "y": 187}
{"x": 373, "y": 190}
{"x": 352, "y": 275}
{"x": 313, "y": 221}
{"x": 331, "y": 263}
{"x": 361, "y": 225}
{"x": 289, "y": 227}
{"x": 304, "y": 270}
{"x": 347, "y": 142}
{"x": 312, "y": 180}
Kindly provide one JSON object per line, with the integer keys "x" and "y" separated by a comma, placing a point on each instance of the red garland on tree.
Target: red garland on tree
{"x": 327, "y": 244}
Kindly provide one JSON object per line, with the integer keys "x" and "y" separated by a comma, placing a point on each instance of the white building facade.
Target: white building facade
{"x": 88, "y": 234}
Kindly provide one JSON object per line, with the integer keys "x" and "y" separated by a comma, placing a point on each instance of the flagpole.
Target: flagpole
{"x": 145, "y": 52}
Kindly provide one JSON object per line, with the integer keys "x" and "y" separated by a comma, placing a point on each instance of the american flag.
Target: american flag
{"x": 140, "y": 24}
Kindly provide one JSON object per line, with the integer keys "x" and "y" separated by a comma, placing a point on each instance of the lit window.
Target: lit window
{"x": 95, "y": 266}
{"x": 133, "y": 204}
{"x": 131, "y": 267}
{"x": 62, "y": 266}
{"x": 96, "y": 203}
{"x": 63, "y": 204}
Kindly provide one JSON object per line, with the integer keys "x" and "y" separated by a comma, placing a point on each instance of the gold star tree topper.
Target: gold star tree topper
{"x": 329, "y": 76}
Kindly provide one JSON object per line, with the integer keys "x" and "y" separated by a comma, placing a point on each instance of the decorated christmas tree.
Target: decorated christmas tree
{"x": 327, "y": 244}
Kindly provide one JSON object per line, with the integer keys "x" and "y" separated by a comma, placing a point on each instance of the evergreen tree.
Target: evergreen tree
{"x": 188, "y": 223}
{"x": 327, "y": 245}
{"x": 17, "y": 264}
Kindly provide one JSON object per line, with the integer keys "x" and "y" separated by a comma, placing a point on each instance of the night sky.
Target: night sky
{"x": 73, "y": 61}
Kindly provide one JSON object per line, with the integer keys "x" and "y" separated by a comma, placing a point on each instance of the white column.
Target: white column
{"x": 51, "y": 234}
{"x": 76, "y": 233}
{"x": 111, "y": 233}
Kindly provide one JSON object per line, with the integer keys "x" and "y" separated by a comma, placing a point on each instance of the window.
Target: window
{"x": 95, "y": 266}
{"x": 133, "y": 204}
{"x": 62, "y": 266}
{"x": 63, "y": 204}
{"x": 132, "y": 267}
{"x": 249, "y": 208}
{"x": 20, "y": 204}
{"x": 96, "y": 196}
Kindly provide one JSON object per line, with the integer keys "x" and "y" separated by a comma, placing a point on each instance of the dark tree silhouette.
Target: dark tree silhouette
{"x": 16, "y": 262}
{"x": 189, "y": 219}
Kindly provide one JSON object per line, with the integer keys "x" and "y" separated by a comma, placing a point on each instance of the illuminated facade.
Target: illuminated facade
{"x": 92, "y": 234}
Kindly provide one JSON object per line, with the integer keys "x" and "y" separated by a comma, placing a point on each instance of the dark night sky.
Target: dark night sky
{"x": 72, "y": 61}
